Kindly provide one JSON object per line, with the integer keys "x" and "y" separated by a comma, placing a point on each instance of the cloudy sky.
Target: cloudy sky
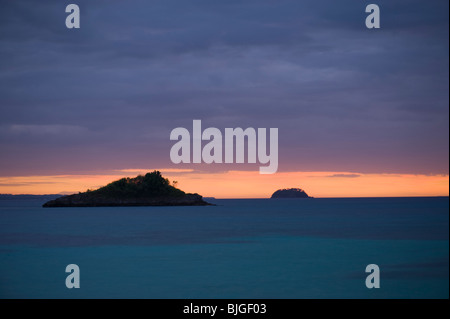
{"x": 106, "y": 96}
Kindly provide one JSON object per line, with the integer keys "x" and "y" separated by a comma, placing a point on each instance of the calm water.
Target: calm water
{"x": 313, "y": 248}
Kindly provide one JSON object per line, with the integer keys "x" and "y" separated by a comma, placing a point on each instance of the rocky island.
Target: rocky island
{"x": 150, "y": 189}
{"x": 290, "y": 193}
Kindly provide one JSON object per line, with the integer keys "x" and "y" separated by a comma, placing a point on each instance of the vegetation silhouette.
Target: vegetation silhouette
{"x": 290, "y": 193}
{"x": 151, "y": 189}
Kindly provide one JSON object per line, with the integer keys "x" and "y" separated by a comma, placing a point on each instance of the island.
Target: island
{"x": 150, "y": 189}
{"x": 290, "y": 193}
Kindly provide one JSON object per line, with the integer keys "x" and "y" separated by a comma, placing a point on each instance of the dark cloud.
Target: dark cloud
{"x": 107, "y": 95}
{"x": 25, "y": 184}
{"x": 345, "y": 175}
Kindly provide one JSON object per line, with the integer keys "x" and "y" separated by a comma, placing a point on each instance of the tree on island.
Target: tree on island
{"x": 148, "y": 185}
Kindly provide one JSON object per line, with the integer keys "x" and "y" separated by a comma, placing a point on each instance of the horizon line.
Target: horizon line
{"x": 214, "y": 198}
{"x": 247, "y": 184}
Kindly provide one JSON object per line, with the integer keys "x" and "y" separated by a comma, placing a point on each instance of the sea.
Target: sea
{"x": 237, "y": 249}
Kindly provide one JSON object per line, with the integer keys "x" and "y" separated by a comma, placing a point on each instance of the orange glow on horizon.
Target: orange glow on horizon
{"x": 247, "y": 184}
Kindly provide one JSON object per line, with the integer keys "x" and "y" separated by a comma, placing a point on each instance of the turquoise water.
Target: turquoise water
{"x": 314, "y": 248}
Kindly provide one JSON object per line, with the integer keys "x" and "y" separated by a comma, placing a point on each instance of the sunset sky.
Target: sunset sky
{"x": 360, "y": 112}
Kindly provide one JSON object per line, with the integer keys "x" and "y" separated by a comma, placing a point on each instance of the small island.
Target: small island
{"x": 150, "y": 189}
{"x": 290, "y": 193}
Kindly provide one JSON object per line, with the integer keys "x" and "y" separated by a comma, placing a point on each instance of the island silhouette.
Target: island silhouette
{"x": 290, "y": 193}
{"x": 150, "y": 189}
